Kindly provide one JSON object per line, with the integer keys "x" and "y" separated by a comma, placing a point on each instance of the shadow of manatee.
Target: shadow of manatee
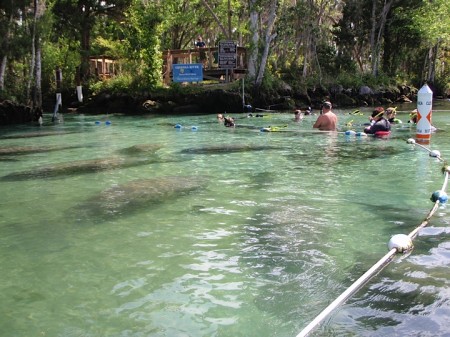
{"x": 80, "y": 167}
{"x": 135, "y": 196}
{"x": 22, "y": 150}
{"x": 217, "y": 149}
{"x": 136, "y": 155}
{"x": 37, "y": 134}
{"x": 140, "y": 149}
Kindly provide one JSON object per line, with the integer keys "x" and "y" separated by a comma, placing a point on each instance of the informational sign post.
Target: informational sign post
{"x": 227, "y": 54}
{"x": 424, "y": 106}
{"x": 192, "y": 72}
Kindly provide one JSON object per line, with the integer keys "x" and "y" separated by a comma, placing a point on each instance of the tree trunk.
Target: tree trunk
{"x": 30, "y": 82}
{"x": 376, "y": 44}
{"x": 37, "y": 99}
{"x": 85, "y": 47}
{"x": 432, "y": 57}
{"x": 267, "y": 41}
{"x": 5, "y": 49}
{"x": 34, "y": 88}
{"x": 3, "y": 72}
{"x": 308, "y": 52}
{"x": 372, "y": 38}
{"x": 254, "y": 29}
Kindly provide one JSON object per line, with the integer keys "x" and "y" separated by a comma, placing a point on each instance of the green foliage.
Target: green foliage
{"x": 142, "y": 45}
{"x": 350, "y": 80}
{"x": 123, "y": 83}
{"x": 136, "y": 34}
{"x": 433, "y": 21}
{"x": 64, "y": 54}
{"x": 176, "y": 88}
{"x": 326, "y": 56}
{"x": 442, "y": 84}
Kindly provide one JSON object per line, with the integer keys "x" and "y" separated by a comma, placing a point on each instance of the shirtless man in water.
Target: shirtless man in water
{"x": 327, "y": 121}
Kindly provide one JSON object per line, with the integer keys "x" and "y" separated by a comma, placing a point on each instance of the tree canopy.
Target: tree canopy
{"x": 310, "y": 41}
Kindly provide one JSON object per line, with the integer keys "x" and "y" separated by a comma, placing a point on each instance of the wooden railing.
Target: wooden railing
{"x": 211, "y": 68}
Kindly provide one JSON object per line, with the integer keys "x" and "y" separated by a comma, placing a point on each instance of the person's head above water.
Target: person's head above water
{"x": 378, "y": 112}
{"x": 413, "y": 116}
{"x": 391, "y": 111}
{"x": 228, "y": 121}
{"x": 327, "y": 105}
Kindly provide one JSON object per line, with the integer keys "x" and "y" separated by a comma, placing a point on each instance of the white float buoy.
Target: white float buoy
{"x": 411, "y": 141}
{"x": 435, "y": 153}
{"x": 401, "y": 242}
{"x": 424, "y": 105}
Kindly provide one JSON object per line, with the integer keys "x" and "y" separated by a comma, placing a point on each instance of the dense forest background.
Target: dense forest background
{"x": 306, "y": 43}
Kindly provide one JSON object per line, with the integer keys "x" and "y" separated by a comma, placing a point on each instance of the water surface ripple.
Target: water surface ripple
{"x": 138, "y": 228}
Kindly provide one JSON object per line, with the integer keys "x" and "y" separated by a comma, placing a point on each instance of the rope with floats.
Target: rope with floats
{"x": 399, "y": 243}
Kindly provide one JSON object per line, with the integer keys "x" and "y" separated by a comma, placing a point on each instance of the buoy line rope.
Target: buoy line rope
{"x": 399, "y": 243}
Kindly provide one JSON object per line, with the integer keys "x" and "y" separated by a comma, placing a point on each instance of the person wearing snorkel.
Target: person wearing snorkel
{"x": 298, "y": 115}
{"x": 413, "y": 118}
{"x": 229, "y": 122}
{"x": 377, "y": 122}
{"x": 391, "y": 114}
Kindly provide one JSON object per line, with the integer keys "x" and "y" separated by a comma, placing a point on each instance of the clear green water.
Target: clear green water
{"x": 220, "y": 232}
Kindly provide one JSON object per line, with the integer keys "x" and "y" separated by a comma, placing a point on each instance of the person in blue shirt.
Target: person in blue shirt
{"x": 200, "y": 44}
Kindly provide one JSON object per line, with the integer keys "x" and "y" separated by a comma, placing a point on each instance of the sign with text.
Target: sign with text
{"x": 192, "y": 72}
{"x": 227, "y": 54}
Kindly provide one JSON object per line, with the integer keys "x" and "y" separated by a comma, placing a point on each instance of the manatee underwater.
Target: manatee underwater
{"x": 36, "y": 134}
{"x": 76, "y": 167}
{"x": 137, "y": 195}
{"x": 218, "y": 149}
{"x": 140, "y": 149}
{"x": 22, "y": 150}
{"x": 142, "y": 155}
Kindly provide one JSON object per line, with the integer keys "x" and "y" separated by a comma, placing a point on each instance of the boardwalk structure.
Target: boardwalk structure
{"x": 211, "y": 70}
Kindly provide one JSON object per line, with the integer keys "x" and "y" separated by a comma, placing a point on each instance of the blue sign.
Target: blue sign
{"x": 188, "y": 72}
